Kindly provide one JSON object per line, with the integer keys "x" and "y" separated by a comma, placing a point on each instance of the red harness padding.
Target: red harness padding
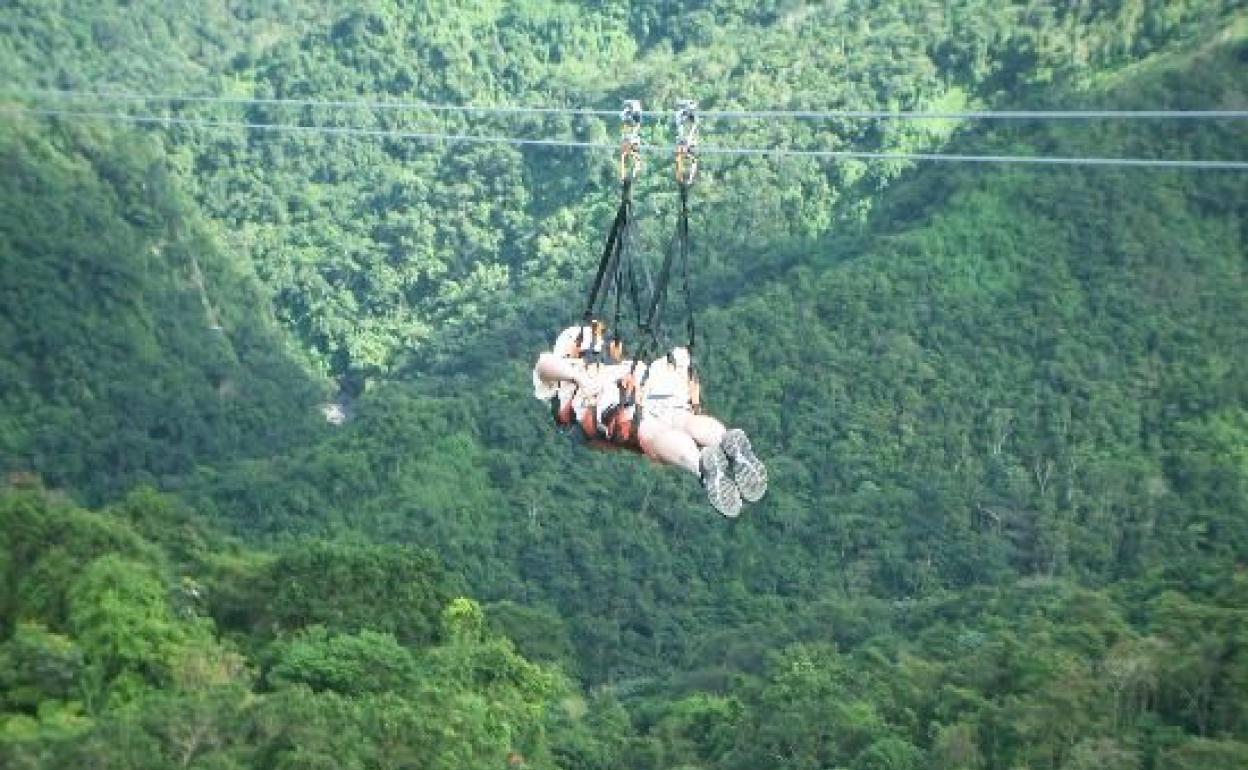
{"x": 589, "y": 423}
{"x": 620, "y": 426}
{"x": 562, "y": 411}
{"x": 623, "y": 424}
{"x": 619, "y": 429}
{"x": 565, "y": 417}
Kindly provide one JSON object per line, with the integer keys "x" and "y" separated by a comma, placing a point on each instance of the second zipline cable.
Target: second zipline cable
{"x": 390, "y": 104}
{"x": 1211, "y": 165}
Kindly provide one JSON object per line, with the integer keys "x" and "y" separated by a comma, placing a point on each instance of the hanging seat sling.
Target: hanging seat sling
{"x": 617, "y": 273}
{"x": 620, "y": 272}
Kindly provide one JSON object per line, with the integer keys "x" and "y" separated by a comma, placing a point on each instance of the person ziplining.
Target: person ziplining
{"x": 648, "y": 405}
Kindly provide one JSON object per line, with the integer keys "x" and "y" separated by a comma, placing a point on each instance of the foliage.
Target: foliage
{"x": 111, "y": 373}
{"x": 1001, "y": 406}
{"x": 134, "y": 682}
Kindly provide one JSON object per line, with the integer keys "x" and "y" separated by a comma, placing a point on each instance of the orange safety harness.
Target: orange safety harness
{"x": 619, "y": 426}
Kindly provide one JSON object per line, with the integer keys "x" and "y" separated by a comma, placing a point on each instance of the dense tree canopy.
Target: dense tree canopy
{"x": 1001, "y": 406}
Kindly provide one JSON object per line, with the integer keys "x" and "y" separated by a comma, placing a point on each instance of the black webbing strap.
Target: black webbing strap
{"x": 628, "y": 275}
{"x": 654, "y": 315}
{"x": 623, "y": 247}
{"x": 619, "y": 294}
{"x": 631, "y": 275}
{"x": 679, "y": 249}
{"x": 611, "y": 252}
{"x": 682, "y": 235}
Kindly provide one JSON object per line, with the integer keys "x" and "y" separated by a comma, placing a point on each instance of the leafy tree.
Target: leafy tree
{"x": 119, "y": 613}
{"x": 350, "y": 664}
{"x": 344, "y": 587}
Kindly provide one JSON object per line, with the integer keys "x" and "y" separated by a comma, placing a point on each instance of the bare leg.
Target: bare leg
{"x": 704, "y": 429}
{"x": 669, "y": 446}
{"x": 673, "y": 446}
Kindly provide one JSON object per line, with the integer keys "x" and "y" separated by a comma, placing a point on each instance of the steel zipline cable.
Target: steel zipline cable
{"x": 384, "y": 133}
{"x": 1221, "y": 165}
{"x": 385, "y": 105}
{"x": 261, "y": 101}
{"x": 980, "y": 115}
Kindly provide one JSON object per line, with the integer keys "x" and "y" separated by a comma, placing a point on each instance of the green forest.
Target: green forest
{"x": 1002, "y": 405}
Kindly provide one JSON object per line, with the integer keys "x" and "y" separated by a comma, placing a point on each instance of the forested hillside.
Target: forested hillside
{"x": 132, "y": 348}
{"x": 139, "y": 639}
{"x": 1002, "y": 406}
{"x": 351, "y": 237}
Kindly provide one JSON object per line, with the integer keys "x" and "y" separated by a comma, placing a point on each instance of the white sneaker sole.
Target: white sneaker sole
{"x": 720, "y": 489}
{"x": 748, "y": 471}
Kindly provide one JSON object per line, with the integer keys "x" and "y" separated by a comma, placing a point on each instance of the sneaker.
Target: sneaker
{"x": 747, "y": 470}
{"x": 720, "y": 489}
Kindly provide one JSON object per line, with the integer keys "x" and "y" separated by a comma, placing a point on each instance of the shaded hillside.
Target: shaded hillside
{"x": 1006, "y": 431}
{"x": 376, "y": 253}
{"x": 1002, "y": 406}
{"x": 132, "y": 349}
{"x": 1016, "y": 372}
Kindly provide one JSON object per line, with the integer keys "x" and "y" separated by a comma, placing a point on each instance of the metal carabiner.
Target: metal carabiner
{"x": 630, "y": 140}
{"x": 686, "y": 141}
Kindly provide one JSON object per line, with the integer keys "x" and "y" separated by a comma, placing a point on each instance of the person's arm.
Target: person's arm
{"x": 613, "y": 373}
{"x": 552, "y": 369}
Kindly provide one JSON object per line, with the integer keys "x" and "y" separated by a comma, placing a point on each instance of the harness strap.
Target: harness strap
{"x": 589, "y": 423}
{"x": 623, "y": 430}
{"x": 653, "y": 317}
{"x": 611, "y": 251}
{"x": 562, "y": 411}
{"x": 682, "y": 235}
{"x": 686, "y": 173}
